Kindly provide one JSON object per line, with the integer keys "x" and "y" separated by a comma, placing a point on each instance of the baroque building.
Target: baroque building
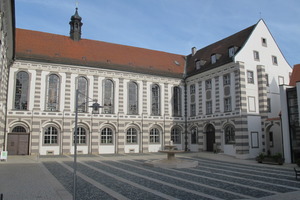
{"x": 222, "y": 98}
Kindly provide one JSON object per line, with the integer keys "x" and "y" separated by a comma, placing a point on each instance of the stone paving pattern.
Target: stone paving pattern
{"x": 126, "y": 177}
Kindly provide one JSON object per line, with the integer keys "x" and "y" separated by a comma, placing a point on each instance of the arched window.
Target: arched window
{"x": 106, "y": 136}
{"x": 108, "y": 97}
{"x": 81, "y": 136}
{"x": 194, "y": 136}
{"x": 155, "y": 96}
{"x": 82, "y": 86}
{"x": 52, "y": 98}
{"x": 51, "y": 135}
{"x": 21, "y": 92}
{"x": 19, "y": 129}
{"x": 176, "y": 101}
{"x": 229, "y": 134}
{"x": 154, "y": 135}
{"x": 176, "y": 135}
{"x": 132, "y": 98}
{"x": 131, "y": 135}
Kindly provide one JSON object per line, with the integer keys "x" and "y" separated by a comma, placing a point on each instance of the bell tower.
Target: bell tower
{"x": 75, "y": 26}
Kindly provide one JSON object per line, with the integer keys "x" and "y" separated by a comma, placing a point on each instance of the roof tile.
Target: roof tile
{"x": 46, "y": 47}
{"x": 295, "y": 77}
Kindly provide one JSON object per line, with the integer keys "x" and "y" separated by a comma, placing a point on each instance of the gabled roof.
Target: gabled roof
{"x": 295, "y": 77}
{"x": 52, "y": 48}
{"x": 221, "y": 47}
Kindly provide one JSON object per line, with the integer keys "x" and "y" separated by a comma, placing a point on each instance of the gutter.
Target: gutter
{"x": 185, "y": 107}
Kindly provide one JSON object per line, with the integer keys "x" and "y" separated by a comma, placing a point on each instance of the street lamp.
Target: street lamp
{"x": 95, "y": 107}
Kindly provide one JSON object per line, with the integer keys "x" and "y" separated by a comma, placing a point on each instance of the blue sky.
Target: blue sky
{"x": 173, "y": 26}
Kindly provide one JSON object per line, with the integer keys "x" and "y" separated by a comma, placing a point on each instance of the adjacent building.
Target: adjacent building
{"x": 222, "y": 98}
{"x": 7, "y": 34}
{"x": 290, "y": 116}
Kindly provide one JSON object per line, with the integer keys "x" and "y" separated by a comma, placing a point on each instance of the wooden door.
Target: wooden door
{"x": 210, "y": 138}
{"x": 18, "y": 144}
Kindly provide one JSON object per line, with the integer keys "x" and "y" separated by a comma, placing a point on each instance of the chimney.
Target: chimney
{"x": 194, "y": 50}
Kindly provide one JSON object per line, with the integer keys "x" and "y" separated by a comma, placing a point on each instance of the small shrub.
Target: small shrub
{"x": 298, "y": 162}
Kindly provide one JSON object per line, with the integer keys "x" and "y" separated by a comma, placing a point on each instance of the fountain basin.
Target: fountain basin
{"x": 172, "y": 163}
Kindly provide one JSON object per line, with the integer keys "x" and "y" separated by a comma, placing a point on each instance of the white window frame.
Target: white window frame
{"x": 227, "y": 104}
{"x": 274, "y": 60}
{"x": 256, "y": 55}
{"x": 250, "y": 76}
{"x": 213, "y": 58}
{"x": 264, "y": 42}
{"x": 208, "y": 107}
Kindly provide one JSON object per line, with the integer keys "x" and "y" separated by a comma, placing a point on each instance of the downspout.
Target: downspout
{"x": 185, "y": 107}
{"x": 6, "y": 110}
{"x": 141, "y": 136}
{"x": 13, "y": 58}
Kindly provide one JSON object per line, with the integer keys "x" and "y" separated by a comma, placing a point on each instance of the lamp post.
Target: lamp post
{"x": 95, "y": 107}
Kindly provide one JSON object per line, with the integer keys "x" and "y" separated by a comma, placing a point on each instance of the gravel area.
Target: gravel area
{"x": 123, "y": 188}
{"x": 147, "y": 183}
{"x": 84, "y": 191}
{"x": 210, "y": 180}
{"x": 186, "y": 179}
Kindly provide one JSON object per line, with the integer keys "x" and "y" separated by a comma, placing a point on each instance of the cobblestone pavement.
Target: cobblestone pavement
{"x": 126, "y": 177}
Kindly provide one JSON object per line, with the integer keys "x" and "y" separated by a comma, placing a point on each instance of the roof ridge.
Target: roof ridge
{"x": 99, "y": 41}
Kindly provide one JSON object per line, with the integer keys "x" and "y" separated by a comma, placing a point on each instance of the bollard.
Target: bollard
{"x": 1, "y": 196}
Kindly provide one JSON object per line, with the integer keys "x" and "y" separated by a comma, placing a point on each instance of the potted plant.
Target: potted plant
{"x": 278, "y": 158}
{"x": 260, "y": 157}
{"x": 271, "y": 159}
{"x": 298, "y": 162}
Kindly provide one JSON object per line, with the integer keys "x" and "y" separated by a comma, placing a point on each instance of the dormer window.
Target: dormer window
{"x": 199, "y": 63}
{"x": 213, "y": 58}
{"x": 232, "y": 51}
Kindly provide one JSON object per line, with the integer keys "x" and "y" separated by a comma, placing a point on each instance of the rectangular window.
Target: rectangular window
{"x": 198, "y": 64}
{"x": 231, "y": 51}
{"x": 280, "y": 80}
{"x": 194, "y": 136}
{"x": 193, "y": 109}
{"x": 256, "y": 55}
{"x": 213, "y": 58}
{"x": 208, "y": 107}
{"x": 226, "y": 79}
{"x": 227, "y": 104}
{"x": 251, "y": 104}
{"x": 274, "y": 60}
{"x": 208, "y": 84}
{"x": 267, "y": 79}
{"x": 192, "y": 89}
{"x": 264, "y": 42}
{"x": 254, "y": 140}
{"x": 250, "y": 77}
{"x": 271, "y": 141}
{"x": 269, "y": 104}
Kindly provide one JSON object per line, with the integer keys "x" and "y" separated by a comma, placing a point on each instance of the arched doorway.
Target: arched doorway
{"x": 18, "y": 141}
{"x": 210, "y": 137}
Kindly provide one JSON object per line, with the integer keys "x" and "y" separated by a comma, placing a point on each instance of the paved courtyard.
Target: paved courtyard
{"x": 126, "y": 177}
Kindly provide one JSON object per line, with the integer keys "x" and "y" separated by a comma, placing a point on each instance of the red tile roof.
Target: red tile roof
{"x": 221, "y": 47}
{"x": 295, "y": 77}
{"x": 52, "y": 48}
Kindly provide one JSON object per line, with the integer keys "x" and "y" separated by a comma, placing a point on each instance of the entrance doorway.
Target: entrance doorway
{"x": 210, "y": 137}
{"x": 18, "y": 142}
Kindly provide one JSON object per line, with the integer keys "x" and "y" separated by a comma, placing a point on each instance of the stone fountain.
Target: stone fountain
{"x": 171, "y": 161}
